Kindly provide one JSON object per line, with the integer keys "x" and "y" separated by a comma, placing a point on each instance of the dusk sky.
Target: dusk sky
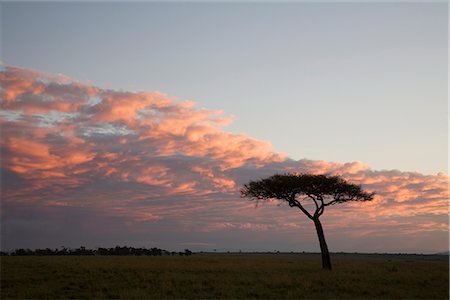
{"x": 137, "y": 123}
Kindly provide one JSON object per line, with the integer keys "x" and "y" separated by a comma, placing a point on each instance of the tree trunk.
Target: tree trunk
{"x": 326, "y": 262}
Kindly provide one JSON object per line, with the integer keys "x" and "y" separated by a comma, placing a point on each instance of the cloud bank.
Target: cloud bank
{"x": 98, "y": 167}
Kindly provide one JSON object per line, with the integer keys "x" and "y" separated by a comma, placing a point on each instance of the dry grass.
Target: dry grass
{"x": 288, "y": 276}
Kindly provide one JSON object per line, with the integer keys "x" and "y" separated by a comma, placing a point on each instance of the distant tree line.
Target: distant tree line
{"x": 120, "y": 251}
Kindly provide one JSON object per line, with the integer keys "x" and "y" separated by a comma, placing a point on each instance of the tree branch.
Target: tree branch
{"x": 293, "y": 202}
{"x": 315, "y": 203}
{"x": 321, "y": 207}
{"x": 339, "y": 200}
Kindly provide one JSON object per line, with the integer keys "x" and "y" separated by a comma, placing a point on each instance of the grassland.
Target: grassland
{"x": 288, "y": 276}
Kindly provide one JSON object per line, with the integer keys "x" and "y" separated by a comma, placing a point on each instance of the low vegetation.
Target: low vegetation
{"x": 116, "y": 251}
{"x": 288, "y": 276}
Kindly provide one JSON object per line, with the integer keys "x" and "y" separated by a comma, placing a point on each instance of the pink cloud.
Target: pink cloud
{"x": 145, "y": 157}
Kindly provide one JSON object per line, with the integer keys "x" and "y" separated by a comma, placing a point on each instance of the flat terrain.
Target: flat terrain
{"x": 291, "y": 276}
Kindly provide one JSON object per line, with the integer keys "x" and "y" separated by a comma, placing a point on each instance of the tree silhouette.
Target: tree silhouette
{"x": 298, "y": 190}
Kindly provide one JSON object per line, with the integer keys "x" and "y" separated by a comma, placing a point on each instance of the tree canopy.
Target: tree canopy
{"x": 323, "y": 190}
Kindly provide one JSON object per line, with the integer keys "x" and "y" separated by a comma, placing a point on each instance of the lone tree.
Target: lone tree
{"x": 299, "y": 190}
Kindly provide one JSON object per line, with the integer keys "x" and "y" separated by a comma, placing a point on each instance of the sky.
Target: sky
{"x": 136, "y": 124}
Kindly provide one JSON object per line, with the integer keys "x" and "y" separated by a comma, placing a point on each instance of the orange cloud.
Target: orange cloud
{"x": 145, "y": 157}
{"x": 16, "y": 82}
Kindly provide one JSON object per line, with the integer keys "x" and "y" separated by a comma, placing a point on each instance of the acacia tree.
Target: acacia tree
{"x": 299, "y": 190}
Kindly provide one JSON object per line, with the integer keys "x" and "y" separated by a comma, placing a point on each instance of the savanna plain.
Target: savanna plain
{"x": 237, "y": 276}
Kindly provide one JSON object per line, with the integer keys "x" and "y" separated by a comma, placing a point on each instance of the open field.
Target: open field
{"x": 294, "y": 276}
